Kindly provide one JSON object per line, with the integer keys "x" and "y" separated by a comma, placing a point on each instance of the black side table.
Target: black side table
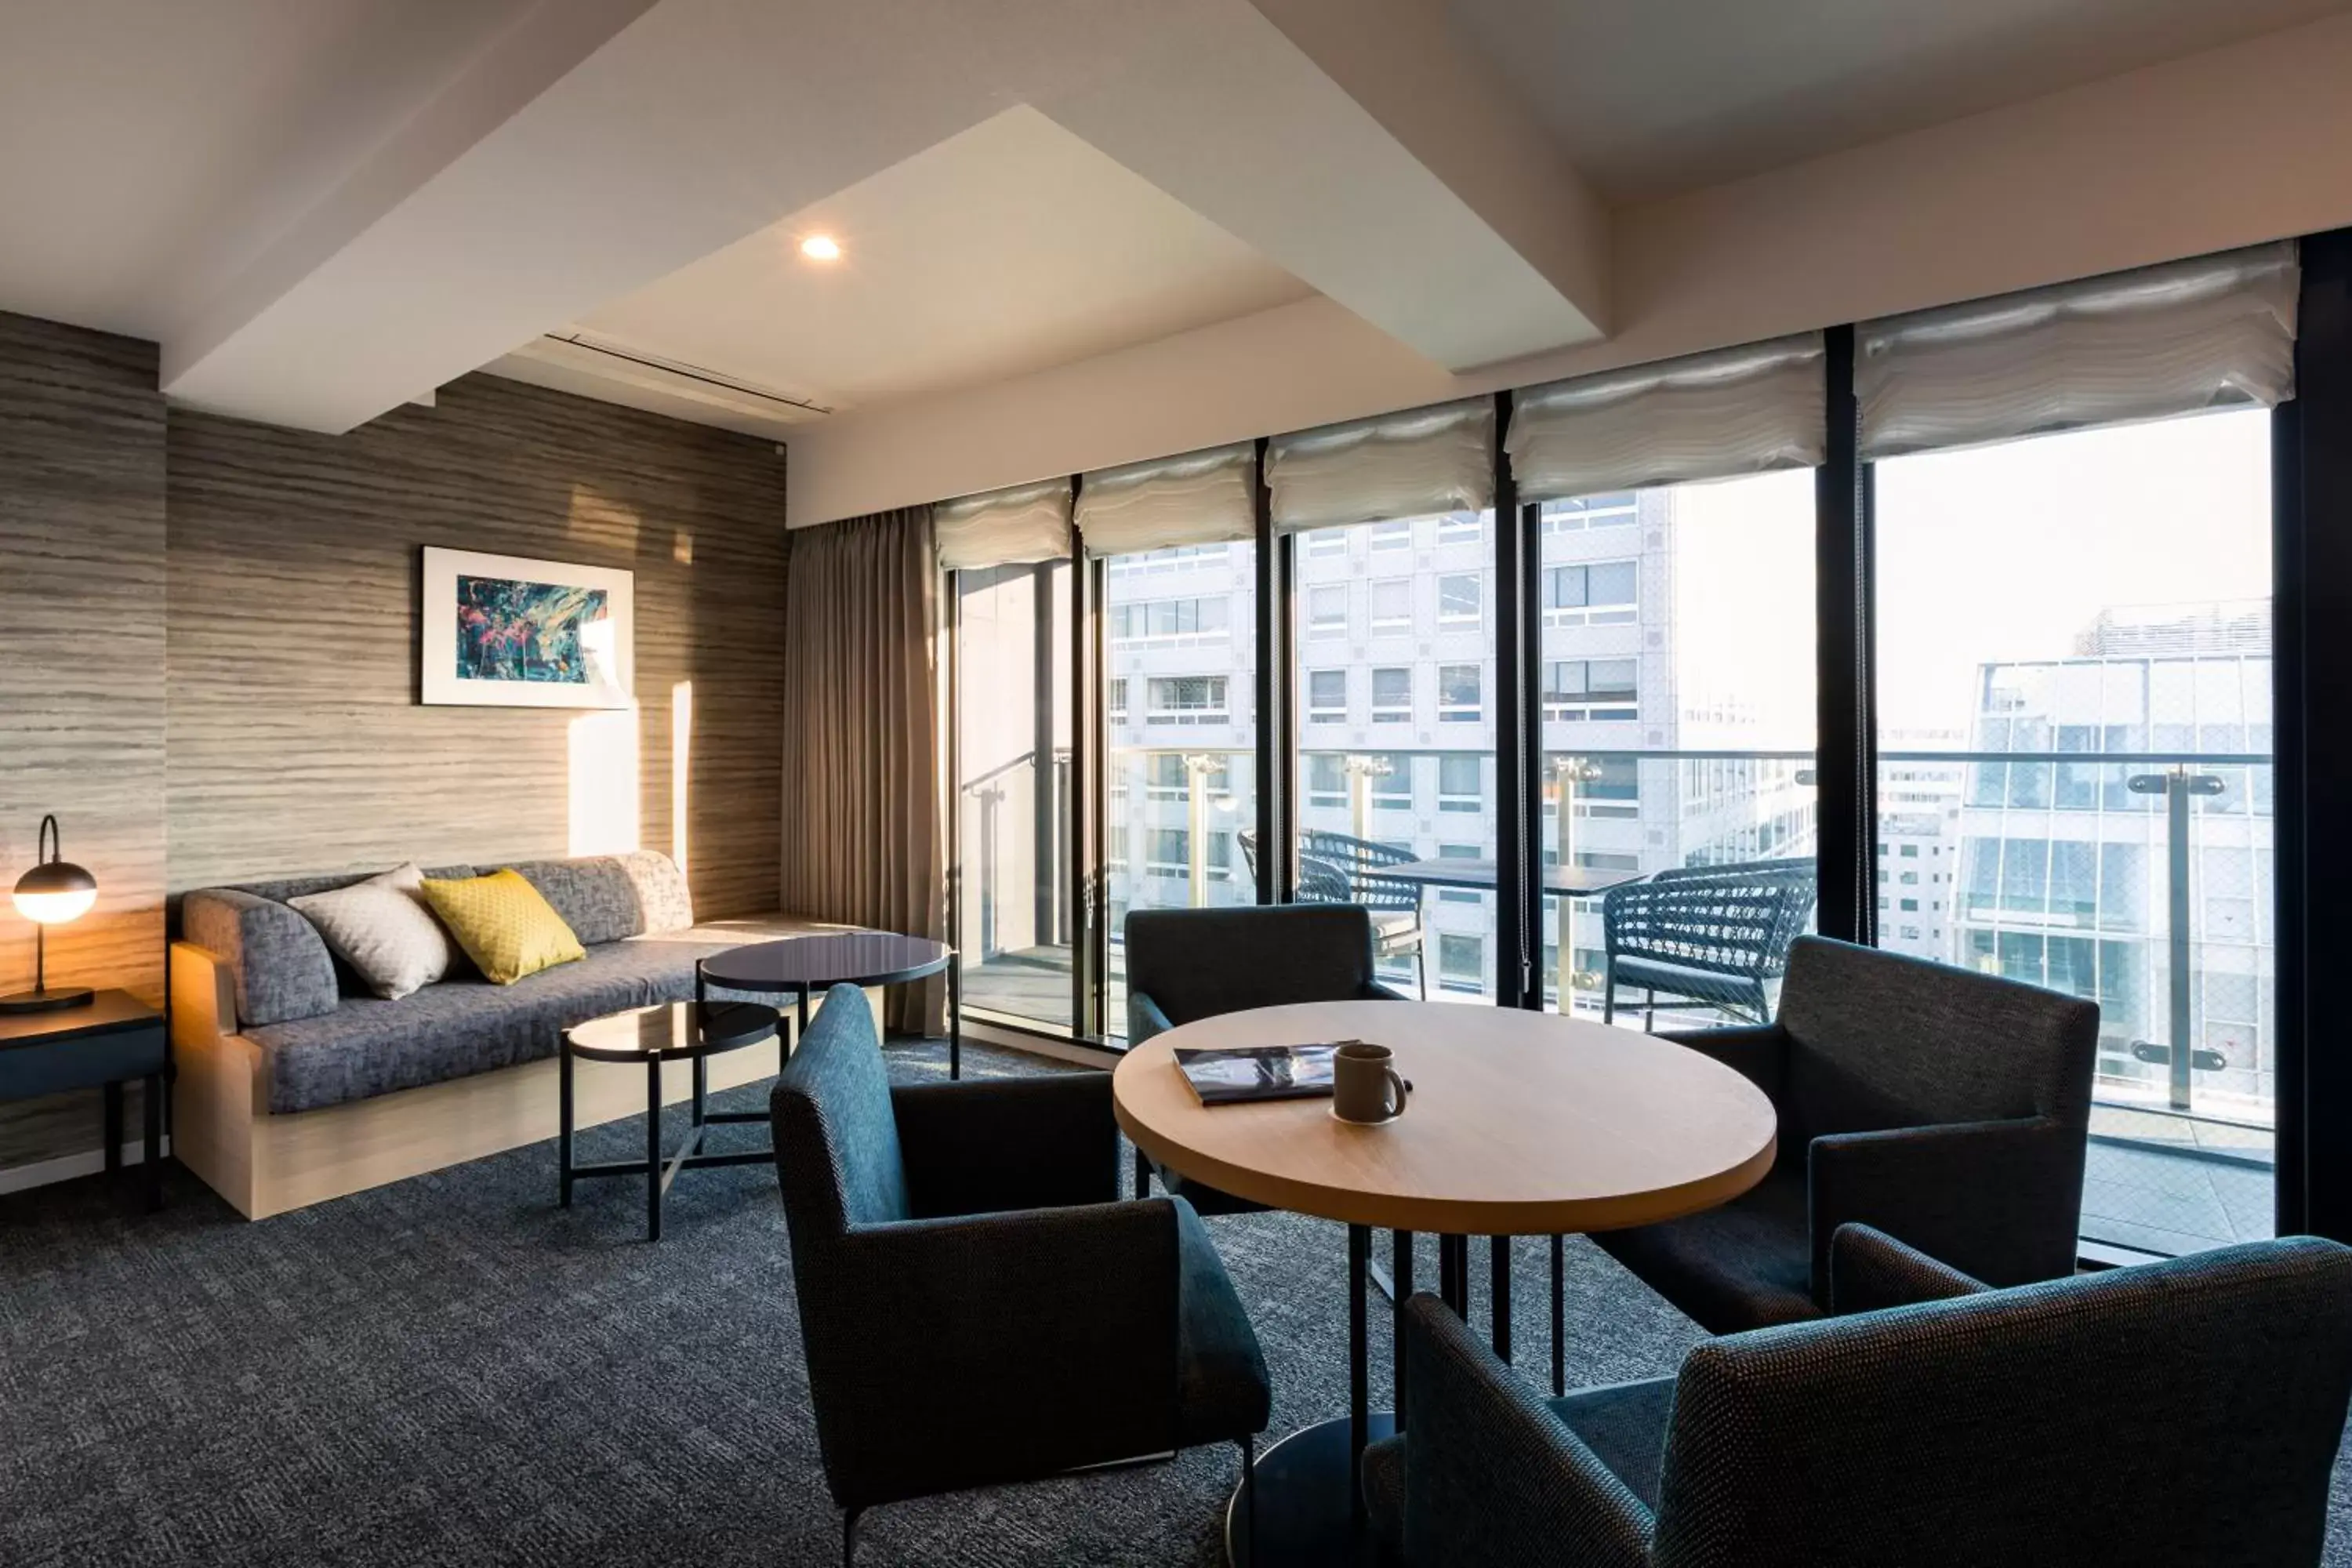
{"x": 669, "y": 1032}
{"x": 103, "y": 1044}
{"x": 805, "y": 964}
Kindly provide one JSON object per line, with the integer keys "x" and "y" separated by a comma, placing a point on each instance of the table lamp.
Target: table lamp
{"x": 54, "y": 891}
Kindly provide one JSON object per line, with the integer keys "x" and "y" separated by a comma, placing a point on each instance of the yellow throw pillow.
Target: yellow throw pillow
{"x": 504, "y": 925}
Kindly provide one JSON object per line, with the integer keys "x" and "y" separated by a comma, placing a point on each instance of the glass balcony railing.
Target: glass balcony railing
{"x": 2142, "y": 881}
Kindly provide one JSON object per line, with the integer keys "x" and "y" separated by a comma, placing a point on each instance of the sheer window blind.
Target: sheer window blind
{"x": 1201, "y": 498}
{"x": 1705, "y": 416}
{"x": 1003, "y": 528}
{"x": 2209, "y": 332}
{"x": 1369, "y": 470}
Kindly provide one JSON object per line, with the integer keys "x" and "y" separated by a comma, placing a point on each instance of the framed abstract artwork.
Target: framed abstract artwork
{"x": 500, "y": 631}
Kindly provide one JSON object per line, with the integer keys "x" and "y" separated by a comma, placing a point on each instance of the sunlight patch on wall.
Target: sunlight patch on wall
{"x": 681, "y": 753}
{"x": 604, "y": 797}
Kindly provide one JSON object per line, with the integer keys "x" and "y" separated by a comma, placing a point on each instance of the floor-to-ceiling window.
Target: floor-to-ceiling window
{"x": 2073, "y": 693}
{"x": 1012, "y": 799}
{"x": 1677, "y": 711}
{"x": 1673, "y": 637}
{"x": 1180, "y": 672}
{"x": 1396, "y": 700}
{"x": 2045, "y": 603}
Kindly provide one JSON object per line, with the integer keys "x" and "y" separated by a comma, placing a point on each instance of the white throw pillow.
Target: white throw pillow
{"x": 382, "y": 929}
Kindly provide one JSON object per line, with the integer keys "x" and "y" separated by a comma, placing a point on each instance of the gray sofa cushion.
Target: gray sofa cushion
{"x": 461, "y": 1026}
{"x": 609, "y": 897}
{"x": 277, "y": 960}
{"x": 273, "y": 953}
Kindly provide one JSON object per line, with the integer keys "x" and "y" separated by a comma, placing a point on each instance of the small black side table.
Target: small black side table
{"x": 803, "y": 964}
{"x": 103, "y": 1044}
{"x": 669, "y": 1032}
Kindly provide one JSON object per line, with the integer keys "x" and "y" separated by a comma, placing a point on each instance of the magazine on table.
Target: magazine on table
{"x": 1238, "y": 1074}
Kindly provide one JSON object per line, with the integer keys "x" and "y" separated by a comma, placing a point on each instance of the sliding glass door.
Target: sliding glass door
{"x": 1014, "y": 792}
{"x": 2075, "y": 785}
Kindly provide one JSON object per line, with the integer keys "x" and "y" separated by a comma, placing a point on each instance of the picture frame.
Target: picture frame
{"x": 507, "y": 631}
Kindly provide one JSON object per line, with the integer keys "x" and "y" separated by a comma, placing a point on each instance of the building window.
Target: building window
{"x": 1462, "y": 528}
{"x": 1598, "y": 595}
{"x": 1118, "y": 700}
{"x": 1171, "y": 853}
{"x": 1392, "y": 536}
{"x": 1461, "y": 783}
{"x": 1461, "y": 602}
{"x": 1393, "y": 605}
{"x": 1908, "y": 905}
{"x": 1327, "y": 611}
{"x": 1461, "y": 962}
{"x": 1459, "y": 895}
{"x": 1326, "y": 779}
{"x": 1327, "y": 696}
{"x": 1328, "y": 541}
{"x": 1392, "y": 696}
{"x": 1459, "y": 695}
{"x": 1169, "y": 623}
{"x": 1186, "y": 699}
{"x": 1164, "y": 776}
{"x": 1175, "y": 558}
{"x": 1910, "y": 852}
{"x": 1591, "y": 512}
{"x": 1576, "y": 688}
{"x": 1392, "y": 791}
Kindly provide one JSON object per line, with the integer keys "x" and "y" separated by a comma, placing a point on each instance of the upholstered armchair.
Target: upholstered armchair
{"x": 1187, "y": 965}
{"x": 976, "y": 1307}
{"x": 1947, "y": 1108}
{"x": 2174, "y": 1414}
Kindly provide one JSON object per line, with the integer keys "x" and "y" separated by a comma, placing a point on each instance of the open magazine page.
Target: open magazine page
{"x": 1239, "y": 1073}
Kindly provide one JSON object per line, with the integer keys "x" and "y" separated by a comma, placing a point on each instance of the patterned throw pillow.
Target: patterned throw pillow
{"x": 504, "y": 925}
{"x": 383, "y": 930}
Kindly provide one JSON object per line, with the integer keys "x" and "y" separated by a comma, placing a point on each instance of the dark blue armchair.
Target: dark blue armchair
{"x": 975, "y": 1306}
{"x": 1949, "y": 1109}
{"x": 2178, "y": 1414}
{"x": 1188, "y": 964}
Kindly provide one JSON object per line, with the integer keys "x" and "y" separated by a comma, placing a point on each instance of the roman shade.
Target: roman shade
{"x": 1201, "y": 498}
{"x": 1705, "y": 416}
{"x": 1412, "y": 464}
{"x": 2214, "y": 332}
{"x": 1004, "y": 528}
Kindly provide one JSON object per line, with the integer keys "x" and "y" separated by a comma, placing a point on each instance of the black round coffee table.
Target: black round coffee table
{"x": 668, "y": 1032}
{"x": 803, "y": 964}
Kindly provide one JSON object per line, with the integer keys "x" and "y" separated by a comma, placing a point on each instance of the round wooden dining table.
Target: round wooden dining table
{"x": 1517, "y": 1123}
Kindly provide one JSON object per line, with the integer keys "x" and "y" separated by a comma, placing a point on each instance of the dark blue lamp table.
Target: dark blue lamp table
{"x": 100, "y": 1044}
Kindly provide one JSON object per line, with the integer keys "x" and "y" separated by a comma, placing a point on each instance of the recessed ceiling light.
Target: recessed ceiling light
{"x": 820, "y": 248}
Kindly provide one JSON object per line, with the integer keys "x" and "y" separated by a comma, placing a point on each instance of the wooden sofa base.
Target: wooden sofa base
{"x": 266, "y": 1164}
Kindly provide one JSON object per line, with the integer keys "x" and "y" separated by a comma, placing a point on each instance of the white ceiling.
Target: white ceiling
{"x": 1650, "y": 97}
{"x": 323, "y": 207}
{"x": 1008, "y": 249}
{"x": 149, "y": 149}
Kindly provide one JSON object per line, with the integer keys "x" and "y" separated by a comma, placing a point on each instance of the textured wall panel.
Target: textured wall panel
{"x": 81, "y": 670}
{"x": 274, "y": 575}
{"x": 296, "y": 742}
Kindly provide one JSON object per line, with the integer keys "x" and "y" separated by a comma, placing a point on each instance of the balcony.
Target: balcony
{"x": 2138, "y": 880}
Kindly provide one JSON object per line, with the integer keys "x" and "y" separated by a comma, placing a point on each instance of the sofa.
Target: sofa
{"x": 294, "y": 1084}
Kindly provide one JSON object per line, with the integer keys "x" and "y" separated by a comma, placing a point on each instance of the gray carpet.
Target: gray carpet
{"x": 452, "y": 1371}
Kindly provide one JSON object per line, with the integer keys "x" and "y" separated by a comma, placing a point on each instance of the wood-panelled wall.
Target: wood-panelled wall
{"x": 296, "y": 742}
{"x": 81, "y": 670}
{"x": 208, "y": 662}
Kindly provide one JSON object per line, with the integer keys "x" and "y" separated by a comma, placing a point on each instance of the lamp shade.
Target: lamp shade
{"x": 55, "y": 892}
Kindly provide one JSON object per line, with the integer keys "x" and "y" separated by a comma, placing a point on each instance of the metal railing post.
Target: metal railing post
{"x": 2177, "y": 783}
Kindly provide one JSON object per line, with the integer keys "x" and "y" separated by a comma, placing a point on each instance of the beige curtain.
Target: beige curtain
{"x": 863, "y": 839}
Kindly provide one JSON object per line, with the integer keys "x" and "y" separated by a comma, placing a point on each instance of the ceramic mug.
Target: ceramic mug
{"x": 1365, "y": 1087}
